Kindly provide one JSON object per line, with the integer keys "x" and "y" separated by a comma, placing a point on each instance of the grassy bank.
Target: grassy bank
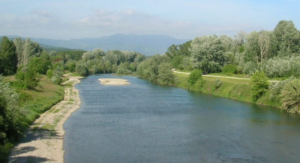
{"x": 33, "y": 103}
{"x": 230, "y": 88}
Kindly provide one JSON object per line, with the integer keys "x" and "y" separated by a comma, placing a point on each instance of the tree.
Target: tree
{"x": 165, "y": 74}
{"x": 8, "y": 57}
{"x": 264, "y": 42}
{"x": 9, "y": 113}
{"x": 207, "y": 53}
{"x": 195, "y": 76}
{"x": 291, "y": 96}
{"x": 25, "y": 50}
{"x": 260, "y": 85}
{"x": 287, "y": 37}
{"x": 252, "y": 49}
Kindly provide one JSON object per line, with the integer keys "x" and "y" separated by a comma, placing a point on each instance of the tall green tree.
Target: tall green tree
{"x": 8, "y": 57}
{"x": 287, "y": 37}
{"x": 260, "y": 85}
{"x": 207, "y": 54}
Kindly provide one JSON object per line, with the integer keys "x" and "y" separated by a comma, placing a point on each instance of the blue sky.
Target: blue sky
{"x": 69, "y": 19}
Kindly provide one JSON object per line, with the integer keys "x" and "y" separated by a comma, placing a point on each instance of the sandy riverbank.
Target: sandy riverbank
{"x": 44, "y": 140}
{"x": 113, "y": 81}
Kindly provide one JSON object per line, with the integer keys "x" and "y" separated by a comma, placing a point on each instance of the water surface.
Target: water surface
{"x": 147, "y": 123}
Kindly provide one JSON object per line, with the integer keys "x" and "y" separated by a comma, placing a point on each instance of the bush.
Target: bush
{"x": 229, "y": 69}
{"x": 198, "y": 86}
{"x": 218, "y": 84}
{"x": 56, "y": 80}
{"x": 195, "y": 76}
{"x": 291, "y": 96}
{"x": 49, "y": 73}
{"x": 275, "y": 88}
{"x": 27, "y": 77}
{"x": 260, "y": 85}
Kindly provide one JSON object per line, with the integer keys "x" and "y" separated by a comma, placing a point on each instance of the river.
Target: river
{"x": 148, "y": 123}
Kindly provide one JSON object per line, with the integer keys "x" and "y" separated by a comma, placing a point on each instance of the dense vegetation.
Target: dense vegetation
{"x": 262, "y": 55}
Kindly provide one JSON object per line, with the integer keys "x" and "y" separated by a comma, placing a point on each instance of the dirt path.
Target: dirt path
{"x": 44, "y": 140}
{"x": 215, "y": 76}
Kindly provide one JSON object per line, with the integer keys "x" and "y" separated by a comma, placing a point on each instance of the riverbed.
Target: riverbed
{"x": 145, "y": 122}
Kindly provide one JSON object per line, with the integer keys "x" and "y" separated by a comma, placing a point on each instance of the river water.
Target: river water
{"x": 148, "y": 123}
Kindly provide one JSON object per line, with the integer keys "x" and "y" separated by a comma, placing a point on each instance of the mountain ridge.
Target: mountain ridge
{"x": 145, "y": 44}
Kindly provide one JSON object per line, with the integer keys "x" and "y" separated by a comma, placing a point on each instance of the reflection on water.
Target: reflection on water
{"x": 144, "y": 122}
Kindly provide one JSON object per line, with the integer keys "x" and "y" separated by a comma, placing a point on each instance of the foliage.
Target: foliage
{"x": 195, "y": 76}
{"x": 25, "y": 50}
{"x": 165, "y": 74}
{"x": 8, "y": 57}
{"x": 156, "y": 69}
{"x": 218, "y": 84}
{"x": 56, "y": 79}
{"x": 49, "y": 73}
{"x": 177, "y": 54}
{"x": 198, "y": 86}
{"x": 81, "y": 69}
{"x": 27, "y": 77}
{"x": 10, "y": 115}
{"x": 282, "y": 66}
{"x": 291, "y": 96}
{"x": 287, "y": 38}
{"x": 260, "y": 85}
{"x": 275, "y": 88}
{"x": 207, "y": 53}
{"x": 229, "y": 69}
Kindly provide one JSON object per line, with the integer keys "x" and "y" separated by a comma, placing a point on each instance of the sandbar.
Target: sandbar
{"x": 113, "y": 81}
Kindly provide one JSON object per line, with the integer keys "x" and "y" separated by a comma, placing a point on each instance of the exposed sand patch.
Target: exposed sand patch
{"x": 113, "y": 81}
{"x": 44, "y": 140}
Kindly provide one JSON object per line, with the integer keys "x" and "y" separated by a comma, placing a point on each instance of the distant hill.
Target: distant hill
{"x": 145, "y": 44}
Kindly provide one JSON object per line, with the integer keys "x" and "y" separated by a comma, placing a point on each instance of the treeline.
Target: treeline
{"x": 277, "y": 52}
{"x": 114, "y": 61}
{"x": 273, "y": 54}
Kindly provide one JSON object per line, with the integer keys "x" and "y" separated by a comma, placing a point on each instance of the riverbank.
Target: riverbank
{"x": 230, "y": 88}
{"x": 44, "y": 139}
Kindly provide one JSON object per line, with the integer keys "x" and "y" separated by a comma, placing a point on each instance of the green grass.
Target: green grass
{"x": 33, "y": 104}
{"x": 230, "y": 88}
{"x": 231, "y": 75}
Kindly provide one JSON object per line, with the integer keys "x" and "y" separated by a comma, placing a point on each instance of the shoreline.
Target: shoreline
{"x": 44, "y": 139}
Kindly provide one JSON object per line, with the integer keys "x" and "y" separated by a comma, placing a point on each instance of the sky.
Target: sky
{"x": 183, "y": 19}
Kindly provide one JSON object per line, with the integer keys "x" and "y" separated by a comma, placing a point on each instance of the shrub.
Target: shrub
{"x": 260, "y": 85}
{"x": 275, "y": 88}
{"x": 56, "y": 79}
{"x": 198, "y": 86}
{"x": 49, "y": 73}
{"x": 194, "y": 76}
{"x": 291, "y": 96}
{"x": 218, "y": 84}
{"x": 229, "y": 69}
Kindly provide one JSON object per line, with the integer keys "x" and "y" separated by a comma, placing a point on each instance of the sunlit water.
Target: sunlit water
{"x": 148, "y": 123}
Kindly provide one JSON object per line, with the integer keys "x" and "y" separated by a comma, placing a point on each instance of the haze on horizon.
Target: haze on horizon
{"x": 71, "y": 19}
